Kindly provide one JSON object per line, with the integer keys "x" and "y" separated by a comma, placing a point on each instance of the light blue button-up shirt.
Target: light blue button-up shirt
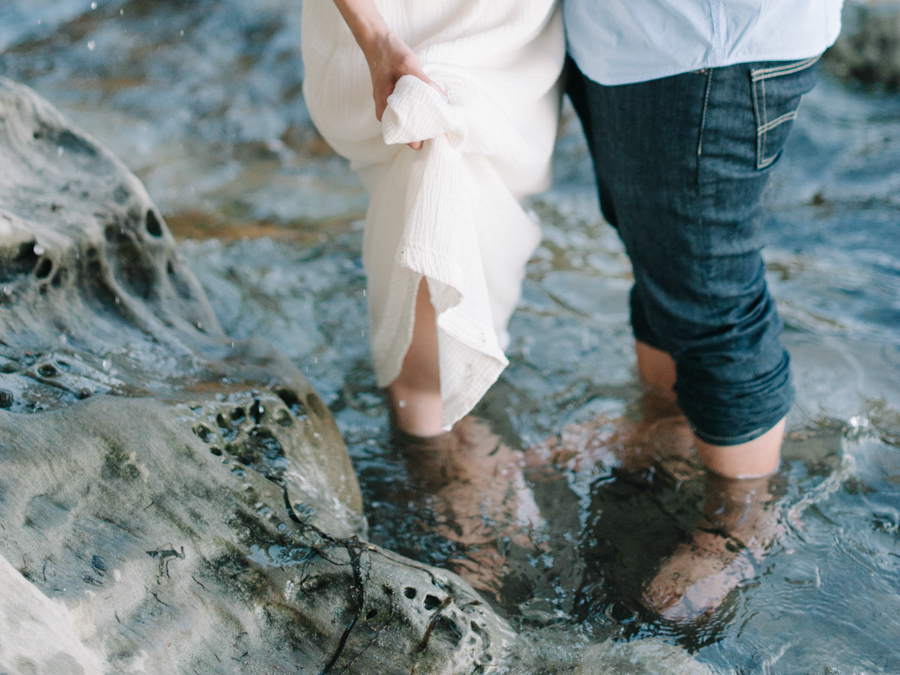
{"x": 625, "y": 41}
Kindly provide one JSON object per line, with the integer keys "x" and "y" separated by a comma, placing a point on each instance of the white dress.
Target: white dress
{"x": 451, "y": 212}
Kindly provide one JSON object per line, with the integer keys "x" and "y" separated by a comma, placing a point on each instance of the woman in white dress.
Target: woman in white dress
{"x": 461, "y": 131}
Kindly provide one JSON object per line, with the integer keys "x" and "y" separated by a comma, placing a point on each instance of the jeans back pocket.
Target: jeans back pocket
{"x": 777, "y": 90}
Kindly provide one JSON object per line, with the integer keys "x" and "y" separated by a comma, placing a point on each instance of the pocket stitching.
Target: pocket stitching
{"x": 768, "y": 126}
{"x": 766, "y": 73}
{"x": 762, "y": 128}
{"x": 758, "y": 83}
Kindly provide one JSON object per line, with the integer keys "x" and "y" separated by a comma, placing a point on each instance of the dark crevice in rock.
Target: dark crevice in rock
{"x": 257, "y": 411}
{"x": 440, "y": 623}
{"x": 360, "y": 597}
{"x": 47, "y": 370}
{"x": 153, "y": 225}
{"x": 292, "y": 401}
{"x": 133, "y": 266}
{"x": 59, "y": 278}
{"x": 44, "y": 268}
{"x": 14, "y": 264}
{"x": 66, "y": 139}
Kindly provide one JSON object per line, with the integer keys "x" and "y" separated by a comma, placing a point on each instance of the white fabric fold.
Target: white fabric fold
{"x": 452, "y": 212}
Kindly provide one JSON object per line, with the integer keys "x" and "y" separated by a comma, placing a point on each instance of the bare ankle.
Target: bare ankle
{"x": 415, "y": 396}
{"x": 656, "y": 370}
{"x": 754, "y": 459}
{"x": 414, "y": 412}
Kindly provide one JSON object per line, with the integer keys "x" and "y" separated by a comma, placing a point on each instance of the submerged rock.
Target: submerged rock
{"x": 642, "y": 657}
{"x": 174, "y": 501}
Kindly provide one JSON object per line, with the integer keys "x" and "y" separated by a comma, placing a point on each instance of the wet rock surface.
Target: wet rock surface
{"x": 174, "y": 500}
{"x": 639, "y": 658}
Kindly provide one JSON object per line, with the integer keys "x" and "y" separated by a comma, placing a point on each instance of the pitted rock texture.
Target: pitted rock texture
{"x": 95, "y": 298}
{"x": 181, "y": 501}
{"x": 185, "y": 564}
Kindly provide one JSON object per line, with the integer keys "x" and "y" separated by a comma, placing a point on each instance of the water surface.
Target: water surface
{"x": 203, "y": 100}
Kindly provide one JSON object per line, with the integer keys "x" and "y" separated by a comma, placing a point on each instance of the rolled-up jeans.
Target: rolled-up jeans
{"x": 682, "y": 163}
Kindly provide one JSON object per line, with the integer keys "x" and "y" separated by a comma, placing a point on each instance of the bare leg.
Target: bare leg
{"x": 698, "y": 576}
{"x": 415, "y": 396}
{"x": 758, "y": 457}
{"x": 476, "y": 490}
{"x": 475, "y": 483}
{"x": 656, "y": 370}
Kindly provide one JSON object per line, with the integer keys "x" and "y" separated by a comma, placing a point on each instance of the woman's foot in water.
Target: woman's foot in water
{"x": 478, "y": 494}
{"x": 474, "y": 483}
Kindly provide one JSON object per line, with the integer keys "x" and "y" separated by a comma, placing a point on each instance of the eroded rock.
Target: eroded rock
{"x": 180, "y": 561}
{"x": 185, "y": 497}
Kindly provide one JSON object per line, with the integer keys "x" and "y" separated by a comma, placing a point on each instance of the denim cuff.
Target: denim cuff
{"x": 743, "y": 412}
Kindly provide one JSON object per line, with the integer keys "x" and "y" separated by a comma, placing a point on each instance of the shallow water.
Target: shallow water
{"x": 203, "y": 101}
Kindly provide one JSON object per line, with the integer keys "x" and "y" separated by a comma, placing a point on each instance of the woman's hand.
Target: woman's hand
{"x": 389, "y": 58}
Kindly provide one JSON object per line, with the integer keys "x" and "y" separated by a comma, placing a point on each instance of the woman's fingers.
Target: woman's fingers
{"x": 389, "y": 60}
{"x": 389, "y": 57}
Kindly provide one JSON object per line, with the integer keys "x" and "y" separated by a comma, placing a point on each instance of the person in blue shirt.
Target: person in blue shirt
{"x": 686, "y": 106}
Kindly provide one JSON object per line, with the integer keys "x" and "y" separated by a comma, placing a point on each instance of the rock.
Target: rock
{"x": 179, "y": 561}
{"x": 641, "y": 657}
{"x": 174, "y": 501}
{"x": 39, "y": 635}
{"x": 868, "y": 49}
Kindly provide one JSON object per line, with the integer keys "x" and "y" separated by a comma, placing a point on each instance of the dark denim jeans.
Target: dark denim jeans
{"x": 682, "y": 163}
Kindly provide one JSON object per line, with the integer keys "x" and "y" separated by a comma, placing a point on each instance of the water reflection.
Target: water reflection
{"x": 203, "y": 100}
